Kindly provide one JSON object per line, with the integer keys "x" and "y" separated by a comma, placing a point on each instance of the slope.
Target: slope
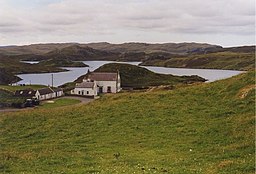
{"x": 204, "y": 128}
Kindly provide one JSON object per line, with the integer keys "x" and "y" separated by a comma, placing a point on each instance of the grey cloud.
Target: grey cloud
{"x": 114, "y": 18}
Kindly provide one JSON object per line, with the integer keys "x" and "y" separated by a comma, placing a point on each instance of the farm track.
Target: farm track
{"x": 82, "y": 99}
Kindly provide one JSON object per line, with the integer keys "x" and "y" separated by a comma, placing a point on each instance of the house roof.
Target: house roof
{"x": 44, "y": 91}
{"x": 102, "y": 76}
{"x": 57, "y": 89}
{"x": 25, "y": 93}
{"x": 85, "y": 85}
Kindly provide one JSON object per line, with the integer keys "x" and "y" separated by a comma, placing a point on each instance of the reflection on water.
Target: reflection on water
{"x": 69, "y": 76}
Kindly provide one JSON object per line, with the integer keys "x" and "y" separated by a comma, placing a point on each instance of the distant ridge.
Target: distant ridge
{"x": 173, "y": 48}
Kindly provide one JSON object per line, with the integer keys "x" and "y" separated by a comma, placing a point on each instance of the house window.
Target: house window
{"x": 79, "y": 92}
{"x": 87, "y": 92}
{"x": 109, "y": 89}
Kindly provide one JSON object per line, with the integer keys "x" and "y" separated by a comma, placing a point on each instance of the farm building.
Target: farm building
{"x": 48, "y": 93}
{"x": 98, "y": 82}
{"x": 40, "y": 94}
{"x": 58, "y": 92}
{"x": 25, "y": 93}
{"x": 85, "y": 88}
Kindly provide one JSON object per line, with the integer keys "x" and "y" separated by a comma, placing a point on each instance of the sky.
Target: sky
{"x": 222, "y": 22}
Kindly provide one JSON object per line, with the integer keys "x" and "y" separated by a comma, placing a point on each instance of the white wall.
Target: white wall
{"x": 46, "y": 96}
{"x": 83, "y": 91}
{"x": 105, "y": 85}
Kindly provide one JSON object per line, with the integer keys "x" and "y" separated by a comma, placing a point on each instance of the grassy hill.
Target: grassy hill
{"x": 206, "y": 128}
{"x": 40, "y": 49}
{"x": 61, "y": 63}
{"x": 185, "y": 55}
{"x": 138, "y": 77}
{"x": 219, "y": 60}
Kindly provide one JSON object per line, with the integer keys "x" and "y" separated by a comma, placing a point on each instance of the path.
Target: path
{"x": 82, "y": 99}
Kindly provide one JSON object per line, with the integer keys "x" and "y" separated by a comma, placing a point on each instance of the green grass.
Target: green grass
{"x": 219, "y": 60}
{"x": 14, "y": 88}
{"x": 7, "y": 99}
{"x": 205, "y": 128}
{"x": 59, "y": 102}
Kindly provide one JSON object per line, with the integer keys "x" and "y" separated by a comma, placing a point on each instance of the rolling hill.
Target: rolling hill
{"x": 206, "y": 128}
{"x": 136, "y": 77}
{"x": 218, "y": 60}
{"x": 178, "y": 55}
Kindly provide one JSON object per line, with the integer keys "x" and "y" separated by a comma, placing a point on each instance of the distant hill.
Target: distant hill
{"x": 76, "y": 52}
{"x": 177, "y": 48}
{"x": 138, "y": 77}
{"x": 173, "y": 48}
{"x": 231, "y": 60}
{"x": 185, "y": 55}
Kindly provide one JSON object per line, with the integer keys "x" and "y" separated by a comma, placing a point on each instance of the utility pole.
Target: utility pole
{"x": 52, "y": 80}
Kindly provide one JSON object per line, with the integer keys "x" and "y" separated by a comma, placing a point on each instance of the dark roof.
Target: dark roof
{"x": 57, "y": 89}
{"x": 25, "y": 93}
{"x": 102, "y": 76}
{"x": 85, "y": 85}
{"x": 44, "y": 91}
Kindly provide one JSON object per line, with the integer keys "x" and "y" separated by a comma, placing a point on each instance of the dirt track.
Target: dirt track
{"x": 82, "y": 99}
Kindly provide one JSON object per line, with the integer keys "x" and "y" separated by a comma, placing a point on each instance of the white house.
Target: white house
{"x": 106, "y": 82}
{"x": 98, "y": 82}
{"x": 48, "y": 93}
{"x": 86, "y": 88}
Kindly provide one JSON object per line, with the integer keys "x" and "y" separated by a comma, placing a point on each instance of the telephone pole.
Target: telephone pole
{"x": 52, "y": 80}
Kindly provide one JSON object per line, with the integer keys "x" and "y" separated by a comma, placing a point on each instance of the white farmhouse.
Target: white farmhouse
{"x": 48, "y": 93}
{"x": 106, "y": 82}
{"x": 44, "y": 94}
{"x": 98, "y": 82}
{"x": 85, "y": 88}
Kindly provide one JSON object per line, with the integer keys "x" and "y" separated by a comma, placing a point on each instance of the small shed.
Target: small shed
{"x": 58, "y": 92}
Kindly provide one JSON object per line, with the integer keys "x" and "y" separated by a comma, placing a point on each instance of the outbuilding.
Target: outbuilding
{"x": 44, "y": 94}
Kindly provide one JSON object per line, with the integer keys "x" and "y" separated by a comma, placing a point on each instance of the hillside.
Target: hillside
{"x": 230, "y": 60}
{"x": 206, "y": 128}
{"x": 178, "y": 55}
{"x": 138, "y": 77}
{"x": 7, "y": 77}
{"x": 173, "y": 48}
{"x": 76, "y": 52}
{"x": 59, "y": 62}
{"x": 104, "y": 46}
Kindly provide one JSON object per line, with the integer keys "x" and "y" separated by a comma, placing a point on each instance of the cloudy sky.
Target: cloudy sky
{"x": 222, "y": 22}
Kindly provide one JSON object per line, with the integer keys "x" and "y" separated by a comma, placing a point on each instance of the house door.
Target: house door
{"x": 101, "y": 89}
{"x": 109, "y": 89}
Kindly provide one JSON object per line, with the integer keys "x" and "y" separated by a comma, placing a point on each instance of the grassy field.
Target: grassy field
{"x": 205, "y": 128}
{"x": 7, "y": 99}
{"x": 58, "y": 103}
{"x": 14, "y": 88}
